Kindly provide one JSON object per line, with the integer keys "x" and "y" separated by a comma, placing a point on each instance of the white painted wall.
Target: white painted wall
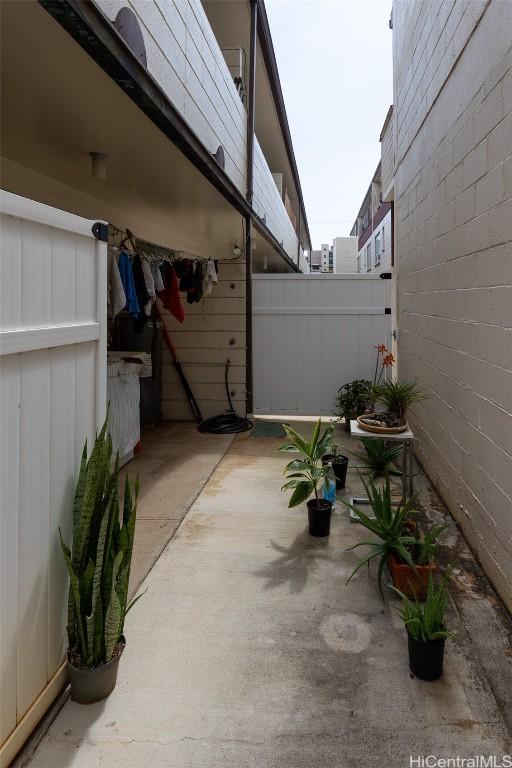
{"x": 383, "y": 230}
{"x": 345, "y": 254}
{"x": 312, "y": 334}
{"x": 453, "y": 203}
{"x": 52, "y": 397}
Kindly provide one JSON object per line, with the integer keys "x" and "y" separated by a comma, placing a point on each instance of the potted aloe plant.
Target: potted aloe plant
{"x": 413, "y": 581}
{"x": 99, "y": 570}
{"x": 388, "y": 525}
{"x": 426, "y": 629}
{"x": 303, "y": 475}
{"x": 379, "y": 457}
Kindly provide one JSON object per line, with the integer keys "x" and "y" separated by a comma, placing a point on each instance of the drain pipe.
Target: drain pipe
{"x": 250, "y": 195}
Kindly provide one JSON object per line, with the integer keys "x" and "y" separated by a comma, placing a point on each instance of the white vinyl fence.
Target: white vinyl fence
{"x": 313, "y": 333}
{"x": 52, "y": 396}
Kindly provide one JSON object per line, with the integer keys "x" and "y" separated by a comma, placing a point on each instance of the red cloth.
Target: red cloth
{"x": 170, "y": 296}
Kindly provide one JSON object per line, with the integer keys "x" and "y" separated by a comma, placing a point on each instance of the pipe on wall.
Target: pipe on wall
{"x": 250, "y": 195}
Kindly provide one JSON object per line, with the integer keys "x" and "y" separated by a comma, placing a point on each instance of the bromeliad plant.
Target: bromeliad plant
{"x": 99, "y": 561}
{"x": 388, "y": 525}
{"x": 304, "y": 475}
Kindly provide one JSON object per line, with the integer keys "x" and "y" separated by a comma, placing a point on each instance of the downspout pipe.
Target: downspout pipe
{"x": 250, "y": 194}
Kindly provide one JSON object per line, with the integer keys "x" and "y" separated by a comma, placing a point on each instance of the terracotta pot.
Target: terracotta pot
{"x": 411, "y": 583}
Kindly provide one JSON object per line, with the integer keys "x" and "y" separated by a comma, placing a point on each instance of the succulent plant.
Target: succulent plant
{"x": 99, "y": 561}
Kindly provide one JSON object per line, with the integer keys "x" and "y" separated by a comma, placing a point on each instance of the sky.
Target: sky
{"x": 335, "y": 66}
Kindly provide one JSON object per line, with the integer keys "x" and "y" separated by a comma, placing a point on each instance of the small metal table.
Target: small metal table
{"x": 406, "y": 438}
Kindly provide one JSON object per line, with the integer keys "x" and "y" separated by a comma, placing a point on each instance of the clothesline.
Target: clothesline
{"x": 160, "y": 253}
{"x": 135, "y": 282}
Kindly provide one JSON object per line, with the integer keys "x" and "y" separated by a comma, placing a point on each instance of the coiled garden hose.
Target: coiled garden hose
{"x": 228, "y": 423}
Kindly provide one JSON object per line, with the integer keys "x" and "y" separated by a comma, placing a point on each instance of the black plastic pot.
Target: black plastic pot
{"x": 426, "y": 657}
{"x": 90, "y": 685}
{"x": 339, "y": 467}
{"x": 319, "y": 517}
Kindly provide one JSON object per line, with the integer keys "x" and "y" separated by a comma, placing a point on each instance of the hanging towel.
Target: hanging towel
{"x": 116, "y": 297}
{"x": 210, "y": 277}
{"x": 126, "y": 273}
{"x": 150, "y": 284}
{"x": 170, "y": 296}
{"x": 157, "y": 278}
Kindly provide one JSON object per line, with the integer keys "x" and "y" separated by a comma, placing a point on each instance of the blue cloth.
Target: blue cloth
{"x": 126, "y": 272}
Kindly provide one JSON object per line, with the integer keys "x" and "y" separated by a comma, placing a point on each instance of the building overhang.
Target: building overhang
{"x": 98, "y": 37}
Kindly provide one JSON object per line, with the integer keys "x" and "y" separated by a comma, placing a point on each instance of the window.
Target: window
{"x": 383, "y": 240}
{"x": 377, "y": 248}
{"x": 368, "y": 257}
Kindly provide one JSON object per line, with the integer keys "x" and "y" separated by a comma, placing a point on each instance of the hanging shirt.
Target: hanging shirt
{"x": 142, "y": 294}
{"x": 157, "y": 278}
{"x": 150, "y": 284}
{"x": 126, "y": 273}
{"x": 116, "y": 297}
{"x": 210, "y": 277}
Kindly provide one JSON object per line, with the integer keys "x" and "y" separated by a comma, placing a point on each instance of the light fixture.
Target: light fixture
{"x": 237, "y": 252}
{"x": 98, "y": 165}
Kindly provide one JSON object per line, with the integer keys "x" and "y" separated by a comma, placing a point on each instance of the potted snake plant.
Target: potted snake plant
{"x": 303, "y": 475}
{"x": 98, "y": 565}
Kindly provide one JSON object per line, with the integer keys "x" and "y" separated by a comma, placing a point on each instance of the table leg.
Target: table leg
{"x": 405, "y": 465}
{"x": 411, "y": 470}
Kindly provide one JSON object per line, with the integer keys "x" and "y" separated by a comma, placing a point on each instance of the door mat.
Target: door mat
{"x": 268, "y": 429}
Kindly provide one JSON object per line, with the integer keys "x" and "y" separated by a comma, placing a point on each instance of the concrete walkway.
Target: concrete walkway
{"x": 249, "y": 650}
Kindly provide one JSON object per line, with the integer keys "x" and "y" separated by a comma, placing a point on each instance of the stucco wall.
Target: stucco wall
{"x": 453, "y": 200}
{"x": 345, "y": 254}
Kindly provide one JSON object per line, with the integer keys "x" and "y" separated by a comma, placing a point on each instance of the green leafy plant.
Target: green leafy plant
{"x": 304, "y": 474}
{"x": 398, "y": 396}
{"x": 99, "y": 561}
{"x": 425, "y": 621}
{"x": 379, "y": 457}
{"x": 388, "y": 525}
{"x": 354, "y": 398}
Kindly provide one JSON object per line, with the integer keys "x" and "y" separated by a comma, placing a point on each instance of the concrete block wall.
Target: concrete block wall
{"x": 213, "y": 331}
{"x": 453, "y": 208}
